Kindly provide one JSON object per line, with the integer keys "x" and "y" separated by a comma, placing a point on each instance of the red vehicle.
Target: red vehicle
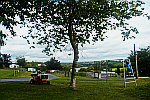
{"x": 39, "y": 78}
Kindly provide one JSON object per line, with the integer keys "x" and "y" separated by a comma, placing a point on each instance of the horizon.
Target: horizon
{"x": 112, "y": 47}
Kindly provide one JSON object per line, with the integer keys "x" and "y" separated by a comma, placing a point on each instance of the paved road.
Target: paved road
{"x": 27, "y": 79}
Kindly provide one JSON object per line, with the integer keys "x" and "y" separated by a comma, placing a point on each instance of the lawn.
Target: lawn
{"x": 86, "y": 89}
{"x": 8, "y": 73}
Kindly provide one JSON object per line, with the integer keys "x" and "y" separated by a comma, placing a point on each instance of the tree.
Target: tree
{"x": 5, "y": 60}
{"x": 96, "y": 65}
{"x": 2, "y": 42}
{"x": 143, "y": 59}
{"x": 53, "y": 64}
{"x": 34, "y": 64}
{"x": 21, "y": 61}
{"x": 74, "y": 21}
{"x": 118, "y": 70}
{"x": 2, "y": 37}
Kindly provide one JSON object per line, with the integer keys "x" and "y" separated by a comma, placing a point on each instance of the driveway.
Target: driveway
{"x": 50, "y": 77}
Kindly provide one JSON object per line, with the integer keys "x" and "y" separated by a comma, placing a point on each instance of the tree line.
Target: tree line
{"x": 143, "y": 60}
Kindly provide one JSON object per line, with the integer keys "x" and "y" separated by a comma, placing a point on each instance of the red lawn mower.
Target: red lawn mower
{"x": 39, "y": 78}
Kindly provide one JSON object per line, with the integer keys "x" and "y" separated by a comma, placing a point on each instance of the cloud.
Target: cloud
{"x": 112, "y": 47}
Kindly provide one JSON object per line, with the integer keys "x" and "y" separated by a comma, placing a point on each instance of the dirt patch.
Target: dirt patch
{"x": 137, "y": 79}
{"x": 140, "y": 79}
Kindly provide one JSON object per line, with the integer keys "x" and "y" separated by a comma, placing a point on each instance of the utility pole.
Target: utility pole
{"x": 134, "y": 58}
{"x": 136, "y": 66}
{"x": 0, "y": 48}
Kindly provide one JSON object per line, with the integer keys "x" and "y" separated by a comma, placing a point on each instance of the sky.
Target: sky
{"x": 111, "y": 48}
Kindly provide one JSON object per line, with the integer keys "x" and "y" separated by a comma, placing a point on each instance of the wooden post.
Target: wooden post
{"x": 14, "y": 72}
{"x": 106, "y": 70}
{"x": 134, "y": 59}
{"x": 99, "y": 74}
{"x": 124, "y": 74}
{"x": 68, "y": 74}
{"x": 111, "y": 72}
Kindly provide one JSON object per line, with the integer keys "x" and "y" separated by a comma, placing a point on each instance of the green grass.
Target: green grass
{"x": 84, "y": 67}
{"x": 8, "y": 73}
{"x": 113, "y": 69}
{"x": 86, "y": 89}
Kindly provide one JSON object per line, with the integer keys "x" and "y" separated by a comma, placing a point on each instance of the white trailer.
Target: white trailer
{"x": 31, "y": 69}
{"x": 13, "y": 66}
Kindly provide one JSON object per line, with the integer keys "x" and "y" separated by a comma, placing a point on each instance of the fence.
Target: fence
{"x": 82, "y": 74}
{"x": 17, "y": 71}
{"x": 89, "y": 74}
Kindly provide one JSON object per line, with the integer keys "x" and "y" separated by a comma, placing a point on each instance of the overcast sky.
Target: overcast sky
{"x": 112, "y": 47}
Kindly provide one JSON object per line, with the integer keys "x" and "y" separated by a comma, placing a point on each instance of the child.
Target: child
{"x": 128, "y": 68}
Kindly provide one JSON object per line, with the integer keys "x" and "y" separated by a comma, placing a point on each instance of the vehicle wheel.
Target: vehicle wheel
{"x": 48, "y": 82}
{"x": 31, "y": 81}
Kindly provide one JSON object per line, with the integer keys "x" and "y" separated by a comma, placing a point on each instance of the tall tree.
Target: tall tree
{"x": 2, "y": 43}
{"x": 143, "y": 59}
{"x": 5, "y": 60}
{"x": 74, "y": 21}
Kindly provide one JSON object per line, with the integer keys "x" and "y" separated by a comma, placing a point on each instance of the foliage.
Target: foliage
{"x": 53, "y": 64}
{"x": 84, "y": 70}
{"x": 97, "y": 65}
{"x": 118, "y": 70}
{"x": 2, "y": 37}
{"x": 143, "y": 61}
{"x": 5, "y": 60}
{"x": 90, "y": 67}
{"x": 89, "y": 15}
{"x": 114, "y": 64}
{"x": 34, "y": 64}
{"x": 66, "y": 67}
{"x": 85, "y": 64}
{"x": 21, "y": 61}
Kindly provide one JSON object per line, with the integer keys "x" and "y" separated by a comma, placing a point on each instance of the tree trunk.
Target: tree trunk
{"x": 75, "y": 61}
{"x": 72, "y": 37}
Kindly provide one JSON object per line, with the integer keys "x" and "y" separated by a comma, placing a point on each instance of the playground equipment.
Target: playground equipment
{"x": 39, "y": 78}
{"x": 127, "y": 79}
{"x": 104, "y": 74}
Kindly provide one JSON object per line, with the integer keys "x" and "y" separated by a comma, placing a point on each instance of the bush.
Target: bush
{"x": 83, "y": 74}
{"x": 84, "y": 70}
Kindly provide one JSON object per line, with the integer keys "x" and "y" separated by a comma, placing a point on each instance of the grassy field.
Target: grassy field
{"x": 8, "y": 73}
{"x": 113, "y": 69}
{"x": 86, "y": 89}
{"x": 84, "y": 67}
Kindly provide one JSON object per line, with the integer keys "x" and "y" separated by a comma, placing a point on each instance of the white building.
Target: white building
{"x": 77, "y": 69}
{"x": 13, "y": 66}
{"x": 39, "y": 64}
